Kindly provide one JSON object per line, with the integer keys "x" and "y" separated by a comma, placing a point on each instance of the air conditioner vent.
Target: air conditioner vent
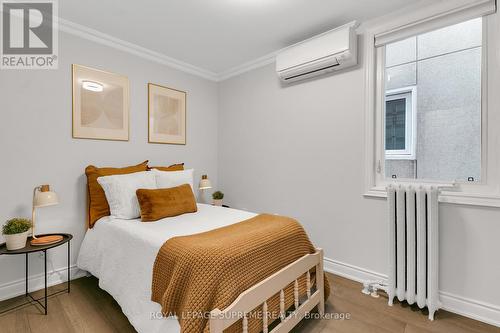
{"x": 333, "y": 50}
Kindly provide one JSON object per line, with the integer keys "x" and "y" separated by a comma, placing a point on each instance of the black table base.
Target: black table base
{"x": 35, "y": 301}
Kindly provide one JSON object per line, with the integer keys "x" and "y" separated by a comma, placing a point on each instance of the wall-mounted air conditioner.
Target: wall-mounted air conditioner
{"x": 333, "y": 50}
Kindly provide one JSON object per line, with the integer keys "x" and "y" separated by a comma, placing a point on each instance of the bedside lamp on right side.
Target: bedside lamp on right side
{"x": 204, "y": 185}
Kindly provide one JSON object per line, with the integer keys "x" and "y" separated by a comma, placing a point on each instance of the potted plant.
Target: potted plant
{"x": 15, "y": 232}
{"x": 218, "y": 196}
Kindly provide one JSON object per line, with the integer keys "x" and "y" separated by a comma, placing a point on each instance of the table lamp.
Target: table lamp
{"x": 205, "y": 183}
{"x": 43, "y": 197}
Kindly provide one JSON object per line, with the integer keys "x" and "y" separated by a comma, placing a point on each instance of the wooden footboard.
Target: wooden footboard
{"x": 264, "y": 290}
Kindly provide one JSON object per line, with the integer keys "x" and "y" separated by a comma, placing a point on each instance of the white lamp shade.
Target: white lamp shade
{"x": 43, "y": 199}
{"x": 205, "y": 184}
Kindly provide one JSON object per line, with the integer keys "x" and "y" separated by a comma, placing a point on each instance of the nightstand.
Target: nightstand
{"x": 32, "y": 249}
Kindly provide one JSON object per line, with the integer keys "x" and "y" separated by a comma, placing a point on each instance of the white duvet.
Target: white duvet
{"x": 121, "y": 253}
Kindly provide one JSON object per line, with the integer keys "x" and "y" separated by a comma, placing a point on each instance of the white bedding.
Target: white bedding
{"x": 121, "y": 253}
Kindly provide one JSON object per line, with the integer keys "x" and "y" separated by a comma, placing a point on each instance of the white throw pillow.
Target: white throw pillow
{"x": 166, "y": 179}
{"x": 120, "y": 192}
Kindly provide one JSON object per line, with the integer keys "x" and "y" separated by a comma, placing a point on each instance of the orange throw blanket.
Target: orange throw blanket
{"x": 195, "y": 274}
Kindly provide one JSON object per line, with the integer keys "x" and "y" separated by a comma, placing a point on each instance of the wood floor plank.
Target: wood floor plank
{"x": 86, "y": 313}
{"x": 55, "y": 321}
{"x": 445, "y": 321}
{"x": 14, "y": 322}
{"x": 89, "y": 309}
{"x": 376, "y": 319}
{"x": 415, "y": 329}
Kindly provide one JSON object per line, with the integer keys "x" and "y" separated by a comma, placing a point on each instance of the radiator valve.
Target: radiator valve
{"x": 374, "y": 293}
{"x": 366, "y": 288}
{"x": 371, "y": 288}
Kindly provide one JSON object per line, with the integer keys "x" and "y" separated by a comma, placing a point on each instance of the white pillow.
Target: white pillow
{"x": 166, "y": 179}
{"x": 120, "y": 192}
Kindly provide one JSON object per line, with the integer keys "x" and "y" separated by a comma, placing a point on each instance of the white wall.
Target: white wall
{"x": 36, "y": 145}
{"x": 295, "y": 150}
{"x": 299, "y": 150}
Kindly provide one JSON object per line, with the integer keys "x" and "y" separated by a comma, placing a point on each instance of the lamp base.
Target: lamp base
{"x": 46, "y": 240}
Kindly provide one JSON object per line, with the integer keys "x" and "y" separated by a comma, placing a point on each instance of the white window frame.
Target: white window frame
{"x": 424, "y": 18}
{"x": 410, "y": 96}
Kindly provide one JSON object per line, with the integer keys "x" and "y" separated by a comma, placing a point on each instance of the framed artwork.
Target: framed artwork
{"x": 100, "y": 104}
{"x": 166, "y": 114}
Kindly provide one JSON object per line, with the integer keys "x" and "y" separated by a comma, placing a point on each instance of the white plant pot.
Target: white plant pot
{"x": 16, "y": 241}
{"x": 218, "y": 202}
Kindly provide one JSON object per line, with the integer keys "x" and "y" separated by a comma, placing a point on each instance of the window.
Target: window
{"x": 435, "y": 134}
{"x": 448, "y": 55}
{"x": 399, "y": 122}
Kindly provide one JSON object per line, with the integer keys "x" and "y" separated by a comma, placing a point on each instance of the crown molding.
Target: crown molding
{"x": 145, "y": 53}
{"x": 248, "y": 66}
{"x": 119, "y": 44}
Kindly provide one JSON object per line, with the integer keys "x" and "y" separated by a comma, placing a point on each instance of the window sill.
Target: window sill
{"x": 458, "y": 198}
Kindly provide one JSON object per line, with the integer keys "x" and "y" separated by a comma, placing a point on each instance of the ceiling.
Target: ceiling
{"x": 218, "y": 35}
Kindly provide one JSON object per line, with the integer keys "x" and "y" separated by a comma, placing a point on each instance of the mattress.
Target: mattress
{"x": 121, "y": 253}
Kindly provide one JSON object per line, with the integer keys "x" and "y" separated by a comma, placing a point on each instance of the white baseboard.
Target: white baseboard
{"x": 36, "y": 282}
{"x": 487, "y": 313}
{"x": 351, "y": 272}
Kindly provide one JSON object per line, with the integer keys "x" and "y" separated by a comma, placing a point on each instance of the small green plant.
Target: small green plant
{"x": 16, "y": 225}
{"x": 218, "y": 195}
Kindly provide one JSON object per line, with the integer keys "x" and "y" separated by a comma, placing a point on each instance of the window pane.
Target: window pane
{"x": 401, "y": 76}
{"x": 395, "y": 124}
{"x": 450, "y": 39}
{"x": 401, "y": 53}
{"x": 449, "y": 116}
{"x": 401, "y": 168}
{"x": 447, "y": 77}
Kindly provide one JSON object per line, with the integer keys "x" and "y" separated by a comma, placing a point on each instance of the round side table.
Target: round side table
{"x": 39, "y": 248}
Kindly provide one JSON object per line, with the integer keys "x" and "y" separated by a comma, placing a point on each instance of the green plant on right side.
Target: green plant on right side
{"x": 217, "y": 195}
{"x": 16, "y": 225}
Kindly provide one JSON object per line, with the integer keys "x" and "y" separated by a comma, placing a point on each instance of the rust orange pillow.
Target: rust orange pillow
{"x": 166, "y": 202}
{"x": 97, "y": 204}
{"x": 173, "y": 167}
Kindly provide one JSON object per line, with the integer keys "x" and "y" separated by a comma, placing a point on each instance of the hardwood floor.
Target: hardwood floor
{"x": 90, "y": 309}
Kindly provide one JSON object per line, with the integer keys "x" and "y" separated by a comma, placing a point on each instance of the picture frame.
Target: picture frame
{"x": 166, "y": 115}
{"x": 101, "y": 104}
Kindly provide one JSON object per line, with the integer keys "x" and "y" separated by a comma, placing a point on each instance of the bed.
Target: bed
{"x": 121, "y": 254}
{"x": 174, "y": 265}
